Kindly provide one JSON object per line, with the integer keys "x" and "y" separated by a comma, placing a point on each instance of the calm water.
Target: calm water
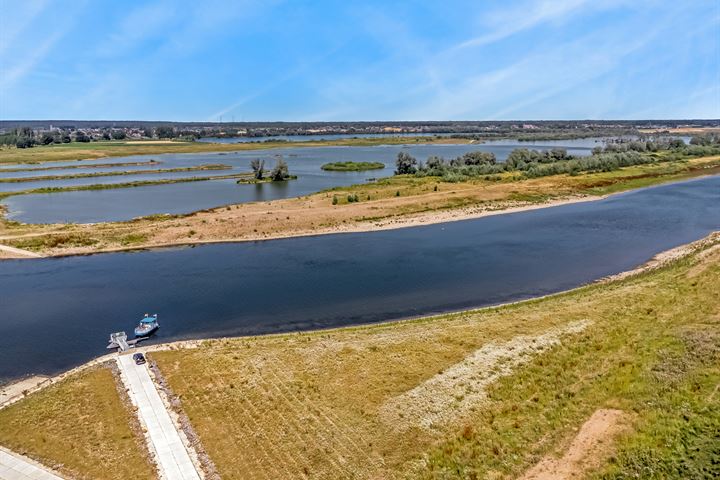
{"x": 56, "y": 313}
{"x": 310, "y": 138}
{"x": 305, "y": 162}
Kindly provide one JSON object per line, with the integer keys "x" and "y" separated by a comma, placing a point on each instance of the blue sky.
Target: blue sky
{"x": 346, "y": 60}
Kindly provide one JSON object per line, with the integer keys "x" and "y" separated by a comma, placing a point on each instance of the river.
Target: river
{"x": 57, "y": 312}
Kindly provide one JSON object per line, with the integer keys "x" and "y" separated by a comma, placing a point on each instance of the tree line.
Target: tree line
{"x": 534, "y": 163}
{"x": 26, "y": 137}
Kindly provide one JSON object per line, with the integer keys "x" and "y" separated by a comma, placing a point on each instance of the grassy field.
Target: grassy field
{"x": 81, "y": 427}
{"x": 389, "y": 202}
{"x": 478, "y": 394}
{"x": 101, "y": 149}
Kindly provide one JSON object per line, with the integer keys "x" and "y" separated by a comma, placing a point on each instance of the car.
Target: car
{"x": 139, "y": 358}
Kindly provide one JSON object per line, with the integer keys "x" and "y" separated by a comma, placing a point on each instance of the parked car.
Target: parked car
{"x": 139, "y": 358}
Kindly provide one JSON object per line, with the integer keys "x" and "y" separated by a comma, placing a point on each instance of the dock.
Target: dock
{"x": 119, "y": 340}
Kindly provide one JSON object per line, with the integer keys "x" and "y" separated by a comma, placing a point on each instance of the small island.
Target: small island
{"x": 278, "y": 174}
{"x": 352, "y": 166}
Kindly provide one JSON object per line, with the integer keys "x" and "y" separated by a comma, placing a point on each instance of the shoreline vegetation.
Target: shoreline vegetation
{"x": 392, "y": 202}
{"x": 505, "y": 386}
{"x": 254, "y": 181}
{"x": 80, "y": 165}
{"x": 197, "y": 168}
{"x": 112, "y": 186}
{"x": 352, "y": 166}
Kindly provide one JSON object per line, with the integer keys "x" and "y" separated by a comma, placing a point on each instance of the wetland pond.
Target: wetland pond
{"x": 92, "y": 206}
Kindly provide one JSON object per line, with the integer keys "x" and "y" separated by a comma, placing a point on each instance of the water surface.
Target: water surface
{"x": 57, "y": 313}
{"x": 305, "y": 162}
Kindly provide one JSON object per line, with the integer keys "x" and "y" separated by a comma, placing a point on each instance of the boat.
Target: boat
{"x": 147, "y": 326}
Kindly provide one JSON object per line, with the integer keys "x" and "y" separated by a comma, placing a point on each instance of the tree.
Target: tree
{"x": 280, "y": 172}
{"x": 47, "y": 138}
{"x": 165, "y": 131}
{"x": 257, "y": 166}
{"x": 518, "y": 158}
{"x": 676, "y": 143}
{"x": 405, "y": 164}
{"x": 81, "y": 137}
{"x": 434, "y": 162}
{"x": 119, "y": 134}
{"x": 477, "y": 158}
{"x": 106, "y": 135}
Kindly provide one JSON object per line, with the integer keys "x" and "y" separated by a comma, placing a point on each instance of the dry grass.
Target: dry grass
{"x": 312, "y": 405}
{"x": 81, "y": 427}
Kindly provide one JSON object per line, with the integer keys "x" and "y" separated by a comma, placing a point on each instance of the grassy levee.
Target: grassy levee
{"x": 116, "y": 186}
{"x": 351, "y": 403}
{"x": 80, "y": 426}
{"x": 101, "y": 149}
{"x": 198, "y": 168}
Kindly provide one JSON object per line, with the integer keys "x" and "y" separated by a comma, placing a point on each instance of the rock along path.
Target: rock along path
{"x": 172, "y": 457}
{"x": 18, "y": 467}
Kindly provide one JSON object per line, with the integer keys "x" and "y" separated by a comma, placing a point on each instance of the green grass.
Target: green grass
{"x": 57, "y": 240}
{"x": 133, "y": 239}
{"x": 656, "y": 355}
{"x": 352, "y": 166}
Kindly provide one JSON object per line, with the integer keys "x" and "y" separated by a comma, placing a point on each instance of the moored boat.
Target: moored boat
{"x": 147, "y": 326}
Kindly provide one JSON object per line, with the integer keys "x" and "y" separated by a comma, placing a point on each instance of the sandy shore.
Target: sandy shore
{"x": 389, "y": 223}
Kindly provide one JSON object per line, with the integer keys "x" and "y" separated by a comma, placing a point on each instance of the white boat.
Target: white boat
{"x": 147, "y": 326}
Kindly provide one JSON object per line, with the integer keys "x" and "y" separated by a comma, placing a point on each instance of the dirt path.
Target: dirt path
{"x": 590, "y": 448}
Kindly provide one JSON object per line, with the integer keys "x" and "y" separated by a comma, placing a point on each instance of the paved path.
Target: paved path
{"x": 171, "y": 455}
{"x": 17, "y": 467}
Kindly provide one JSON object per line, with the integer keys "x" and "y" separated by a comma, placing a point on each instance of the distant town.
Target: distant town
{"x": 28, "y": 133}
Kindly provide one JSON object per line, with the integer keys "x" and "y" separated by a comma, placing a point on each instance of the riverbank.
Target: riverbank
{"x": 505, "y": 386}
{"x": 390, "y": 203}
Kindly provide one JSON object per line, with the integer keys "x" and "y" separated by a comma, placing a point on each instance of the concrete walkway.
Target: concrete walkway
{"x": 171, "y": 455}
{"x": 17, "y": 467}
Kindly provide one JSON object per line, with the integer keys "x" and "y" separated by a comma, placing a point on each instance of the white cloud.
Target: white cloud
{"x": 512, "y": 21}
{"x": 17, "y": 72}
